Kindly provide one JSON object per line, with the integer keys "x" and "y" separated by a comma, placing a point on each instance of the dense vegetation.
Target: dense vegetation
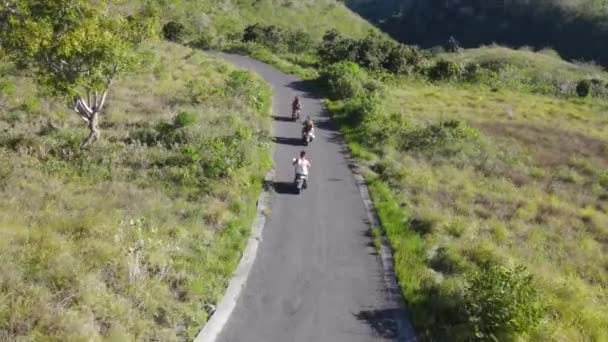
{"x": 577, "y": 29}
{"x": 135, "y": 237}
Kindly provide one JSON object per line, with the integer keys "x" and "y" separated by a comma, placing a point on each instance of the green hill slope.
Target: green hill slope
{"x": 135, "y": 237}
{"x": 226, "y": 17}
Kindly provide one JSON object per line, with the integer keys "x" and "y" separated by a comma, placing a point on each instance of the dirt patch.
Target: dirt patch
{"x": 551, "y": 146}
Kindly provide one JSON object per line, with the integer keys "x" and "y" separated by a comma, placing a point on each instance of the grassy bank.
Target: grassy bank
{"x": 521, "y": 180}
{"x": 136, "y": 237}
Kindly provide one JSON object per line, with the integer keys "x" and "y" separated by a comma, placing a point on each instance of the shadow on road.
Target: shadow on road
{"x": 288, "y": 141}
{"x": 286, "y": 188}
{"x": 282, "y": 118}
{"x": 309, "y": 88}
{"x": 382, "y": 322}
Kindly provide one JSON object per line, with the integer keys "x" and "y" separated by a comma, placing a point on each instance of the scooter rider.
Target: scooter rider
{"x": 309, "y": 126}
{"x": 296, "y": 106}
{"x": 302, "y": 165}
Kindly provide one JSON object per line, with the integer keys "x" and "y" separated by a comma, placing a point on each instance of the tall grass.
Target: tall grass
{"x": 136, "y": 237}
{"x": 520, "y": 183}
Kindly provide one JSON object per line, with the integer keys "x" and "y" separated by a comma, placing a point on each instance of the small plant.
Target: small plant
{"x": 345, "y": 80}
{"x": 583, "y": 88}
{"x": 174, "y": 31}
{"x": 501, "y": 301}
{"x": 438, "y": 135}
{"x": 184, "y": 119}
{"x": 444, "y": 70}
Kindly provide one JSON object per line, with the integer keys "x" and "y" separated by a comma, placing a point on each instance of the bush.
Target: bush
{"x": 345, "y": 80}
{"x": 501, "y": 301}
{"x": 299, "y": 41}
{"x": 444, "y": 70}
{"x": 184, "y": 119}
{"x": 438, "y": 134}
{"x": 583, "y": 88}
{"x": 174, "y": 31}
{"x": 373, "y": 52}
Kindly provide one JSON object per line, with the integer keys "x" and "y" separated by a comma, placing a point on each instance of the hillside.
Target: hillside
{"x": 576, "y": 28}
{"x": 134, "y": 238}
{"x": 225, "y": 18}
{"x": 488, "y": 168}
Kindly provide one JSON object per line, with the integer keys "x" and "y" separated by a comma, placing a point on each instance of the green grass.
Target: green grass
{"x": 545, "y": 64}
{"x": 220, "y": 20}
{"x": 528, "y": 191}
{"x": 135, "y": 237}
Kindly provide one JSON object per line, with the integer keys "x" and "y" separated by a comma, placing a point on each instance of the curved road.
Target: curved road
{"x": 317, "y": 276}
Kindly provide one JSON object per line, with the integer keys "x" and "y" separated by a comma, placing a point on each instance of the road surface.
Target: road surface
{"x": 317, "y": 276}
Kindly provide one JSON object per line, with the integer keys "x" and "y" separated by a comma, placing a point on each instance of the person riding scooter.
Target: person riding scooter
{"x": 302, "y": 166}
{"x": 308, "y": 129}
{"x": 296, "y": 107}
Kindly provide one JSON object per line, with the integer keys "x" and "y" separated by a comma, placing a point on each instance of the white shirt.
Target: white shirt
{"x": 302, "y": 166}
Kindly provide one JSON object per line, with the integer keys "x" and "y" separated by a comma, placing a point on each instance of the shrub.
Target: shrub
{"x": 583, "y": 88}
{"x": 437, "y": 135}
{"x": 299, "y": 41}
{"x": 345, "y": 80}
{"x": 174, "y": 31}
{"x": 444, "y": 70}
{"x": 502, "y": 301}
{"x": 184, "y": 119}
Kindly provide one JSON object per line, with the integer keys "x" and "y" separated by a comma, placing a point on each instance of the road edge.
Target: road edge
{"x": 220, "y": 317}
{"x": 405, "y": 330}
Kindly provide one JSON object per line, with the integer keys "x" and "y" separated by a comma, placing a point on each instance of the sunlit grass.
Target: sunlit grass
{"x": 124, "y": 241}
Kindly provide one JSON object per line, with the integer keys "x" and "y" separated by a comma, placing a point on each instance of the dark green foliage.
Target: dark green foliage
{"x": 501, "y": 301}
{"x": 439, "y": 134}
{"x": 373, "y": 52}
{"x": 444, "y": 70}
{"x": 278, "y": 39}
{"x": 583, "y": 88}
{"x": 184, "y": 119}
{"x": 344, "y": 80}
{"x": 174, "y": 31}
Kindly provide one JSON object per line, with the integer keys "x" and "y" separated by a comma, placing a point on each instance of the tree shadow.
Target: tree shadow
{"x": 383, "y": 322}
{"x": 288, "y": 141}
{"x": 309, "y": 88}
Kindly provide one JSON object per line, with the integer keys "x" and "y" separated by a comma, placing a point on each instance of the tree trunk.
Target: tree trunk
{"x": 93, "y": 128}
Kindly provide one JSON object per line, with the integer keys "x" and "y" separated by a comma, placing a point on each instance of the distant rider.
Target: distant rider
{"x": 302, "y": 165}
{"x": 296, "y": 105}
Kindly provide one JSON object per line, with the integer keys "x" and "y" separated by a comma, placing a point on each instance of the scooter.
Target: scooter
{"x": 307, "y": 137}
{"x": 295, "y": 115}
{"x": 300, "y": 183}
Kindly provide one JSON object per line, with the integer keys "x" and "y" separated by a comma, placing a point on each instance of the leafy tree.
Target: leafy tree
{"x": 174, "y": 31}
{"x": 583, "y": 88}
{"x": 75, "y": 48}
{"x": 502, "y": 301}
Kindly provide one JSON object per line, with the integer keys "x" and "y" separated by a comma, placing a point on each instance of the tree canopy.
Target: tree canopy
{"x": 75, "y": 48}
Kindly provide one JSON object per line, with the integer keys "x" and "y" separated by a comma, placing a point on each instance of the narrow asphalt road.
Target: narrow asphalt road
{"x": 317, "y": 276}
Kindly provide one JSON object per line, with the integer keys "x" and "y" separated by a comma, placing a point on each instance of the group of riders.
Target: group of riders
{"x": 302, "y": 165}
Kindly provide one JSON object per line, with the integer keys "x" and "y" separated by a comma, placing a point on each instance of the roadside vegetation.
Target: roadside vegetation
{"x": 489, "y": 175}
{"x": 134, "y": 234}
{"x": 134, "y": 238}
